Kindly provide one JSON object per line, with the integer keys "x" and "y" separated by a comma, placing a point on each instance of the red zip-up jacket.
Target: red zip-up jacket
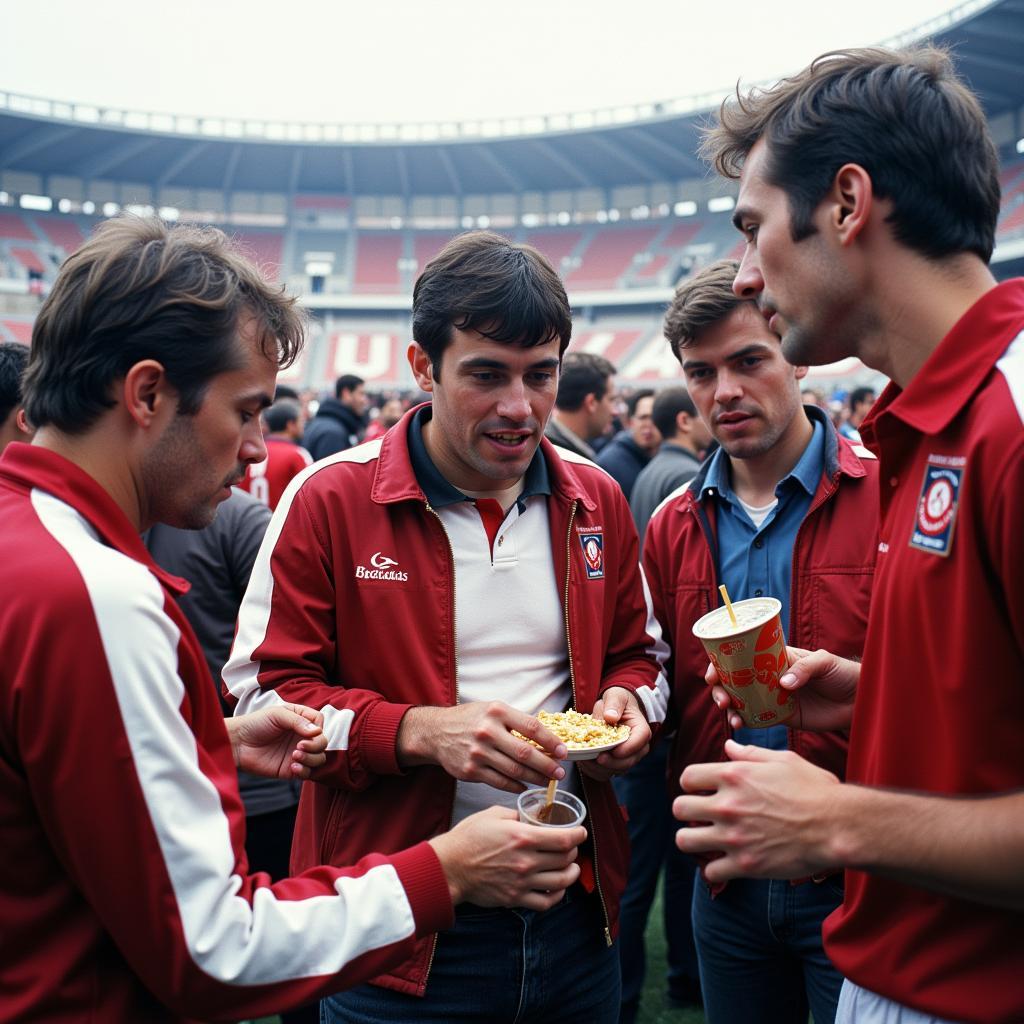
{"x": 125, "y": 896}
{"x": 351, "y": 608}
{"x": 833, "y": 570}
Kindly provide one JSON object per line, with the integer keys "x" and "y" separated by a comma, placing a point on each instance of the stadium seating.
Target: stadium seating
{"x": 63, "y": 232}
{"x": 608, "y": 256}
{"x": 13, "y": 227}
{"x": 377, "y": 257}
{"x": 266, "y": 249}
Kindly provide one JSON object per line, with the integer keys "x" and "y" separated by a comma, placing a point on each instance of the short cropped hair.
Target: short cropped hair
{"x": 700, "y": 302}
{"x": 139, "y": 289}
{"x": 667, "y": 406}
{"x": 583, "y": 373}
{"x": 634, "y": 400}
{"x": 347, "y": 382}
{"x": 482, "y": 282}
{"x": 859, "y": 395}
{"x": 13, "y": 359}
{"x": 902, "y": 115}
{"x": 281, "y": 413}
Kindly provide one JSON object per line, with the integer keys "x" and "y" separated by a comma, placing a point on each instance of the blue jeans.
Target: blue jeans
{"x": 652, "y": 829}
{"x": 760, "y": 951}
{"x": 504, "y": 966}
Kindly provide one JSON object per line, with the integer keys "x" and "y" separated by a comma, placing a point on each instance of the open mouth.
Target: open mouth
{"x": 509, "y": 440}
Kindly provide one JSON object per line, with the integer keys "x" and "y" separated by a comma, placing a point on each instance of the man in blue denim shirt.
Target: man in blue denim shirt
{"x": 758, "y": 942}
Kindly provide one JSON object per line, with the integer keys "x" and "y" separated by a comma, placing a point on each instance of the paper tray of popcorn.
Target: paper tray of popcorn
{"x": 583, "y": 735}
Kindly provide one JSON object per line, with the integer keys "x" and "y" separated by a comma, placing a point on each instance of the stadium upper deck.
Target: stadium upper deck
{"x": 348, "y": 214}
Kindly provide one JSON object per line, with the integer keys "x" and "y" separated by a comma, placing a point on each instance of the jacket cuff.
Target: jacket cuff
{"x": 379, "y": 732}
{"x": 426, "y": 887}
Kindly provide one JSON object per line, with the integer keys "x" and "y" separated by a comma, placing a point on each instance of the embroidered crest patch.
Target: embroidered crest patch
{"x": 938, "y": 504}
{"x": 593, "y": 554}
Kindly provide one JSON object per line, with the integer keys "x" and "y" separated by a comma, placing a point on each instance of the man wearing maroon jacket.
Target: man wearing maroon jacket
{"x": 869, "y": 194}
{"x": 125, "y": 894}
{"x": 432, "y": 592}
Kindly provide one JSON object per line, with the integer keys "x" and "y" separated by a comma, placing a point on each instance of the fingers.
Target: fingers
{"x": 744, "y": 752}
{"x": 296, "y": 718}
{"x": 613, "y": 704}
{"x": 700, "y": 778}
{"x": 560, "y": 841}
{"x": 530, "y": 727}
{"x": 310, "y": 714}
{"x": 805, "y": 666}
{"x": 541, "y": 900}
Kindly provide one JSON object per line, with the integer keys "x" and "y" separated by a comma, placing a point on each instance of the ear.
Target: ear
{"x": 22, "y": 423}
{"x": 852, "y": 198}
{"x": 682, "y": 422}
{"x": 147, "y": 394}
{"x": 422, "y": 368}
{"x": 590, "y": 402}
{"x": 800, "y": 372}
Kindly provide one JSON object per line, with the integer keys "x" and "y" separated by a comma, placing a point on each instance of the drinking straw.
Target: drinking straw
{"x": 728, "y": 604}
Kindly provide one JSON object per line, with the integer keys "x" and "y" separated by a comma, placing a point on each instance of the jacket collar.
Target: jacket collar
{"x": 957, "y": 367}
{"x": 34, "y": 467}
{"x": 840, "y": 457}
{"x": 394, "y": 479}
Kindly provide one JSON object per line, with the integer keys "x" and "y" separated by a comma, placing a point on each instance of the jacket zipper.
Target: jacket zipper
{"x": 455, "y": 674}
{"x": 572, "y": 684}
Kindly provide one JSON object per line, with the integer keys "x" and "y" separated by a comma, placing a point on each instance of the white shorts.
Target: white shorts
{"x": 859, "y": 1006}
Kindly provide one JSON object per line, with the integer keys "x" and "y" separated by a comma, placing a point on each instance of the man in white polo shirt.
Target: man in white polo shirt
{"x": 431, "y": 592}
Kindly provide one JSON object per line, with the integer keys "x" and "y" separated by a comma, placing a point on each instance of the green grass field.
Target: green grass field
{"x": 654, "y": 1008}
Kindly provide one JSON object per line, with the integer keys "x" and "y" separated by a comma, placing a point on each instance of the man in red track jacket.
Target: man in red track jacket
{"x": 869, "y": 196}
{"x": 784, "y": 508}
{"x": 125, "y": 895}
{"x": 431, "y": 592}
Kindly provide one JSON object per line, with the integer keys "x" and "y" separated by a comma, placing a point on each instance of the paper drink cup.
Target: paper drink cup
{"x": 750, "y": 658}
{"x": 566, "y": 810}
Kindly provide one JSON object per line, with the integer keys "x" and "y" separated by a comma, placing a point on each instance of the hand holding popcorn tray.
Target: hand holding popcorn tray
{"x": 584, "y": 736}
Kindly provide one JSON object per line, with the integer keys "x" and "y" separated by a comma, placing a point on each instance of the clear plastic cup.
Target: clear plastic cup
{"x": 566, "y": 810}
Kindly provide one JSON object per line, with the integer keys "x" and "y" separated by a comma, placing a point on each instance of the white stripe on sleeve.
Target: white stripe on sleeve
{"x": 270, "y": 940}
{"x": 241, "y": 673}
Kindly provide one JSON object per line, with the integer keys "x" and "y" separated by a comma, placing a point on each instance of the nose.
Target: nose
{"x": 514, "y": 402}
{"x": 727, "y": 387}
{"x": 253, "y": 448}
{"x": 749, "y": 283}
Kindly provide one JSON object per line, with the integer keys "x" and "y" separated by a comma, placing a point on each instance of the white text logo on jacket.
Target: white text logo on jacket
{"x": 383, "y": 569}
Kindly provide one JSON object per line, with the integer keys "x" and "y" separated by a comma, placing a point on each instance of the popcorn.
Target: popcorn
{"x": 579, "y": 731}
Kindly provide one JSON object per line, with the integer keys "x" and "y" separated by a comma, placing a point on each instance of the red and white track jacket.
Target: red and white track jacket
{"x": 833, "y": 571}
{"x": 350, "y": 609}
{"x": 124, "y": 891}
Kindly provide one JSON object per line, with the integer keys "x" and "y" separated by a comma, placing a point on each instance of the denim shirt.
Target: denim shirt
{"x": 758, "y": 561}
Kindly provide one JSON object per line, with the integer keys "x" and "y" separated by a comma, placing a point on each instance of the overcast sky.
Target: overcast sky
{"x": 417, "y": 60}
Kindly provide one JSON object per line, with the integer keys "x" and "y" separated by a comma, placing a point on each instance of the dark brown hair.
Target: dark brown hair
{"x": 139, "y": 289}
{"x": 583, "y": 373}
{"x": 902, "y": 115}
{"x": 482, "y": 282}
{"x": 700, "y": 301}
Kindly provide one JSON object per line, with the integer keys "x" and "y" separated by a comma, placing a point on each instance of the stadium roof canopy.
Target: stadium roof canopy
{"x": 596, "y": 149}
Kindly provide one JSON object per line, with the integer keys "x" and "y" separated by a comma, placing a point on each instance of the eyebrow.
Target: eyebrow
{"x": 264, "y": 400}
{"x": 485, "y": 363}
{"x": 747, "y": 350}
{"x": 737, "y": 216}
